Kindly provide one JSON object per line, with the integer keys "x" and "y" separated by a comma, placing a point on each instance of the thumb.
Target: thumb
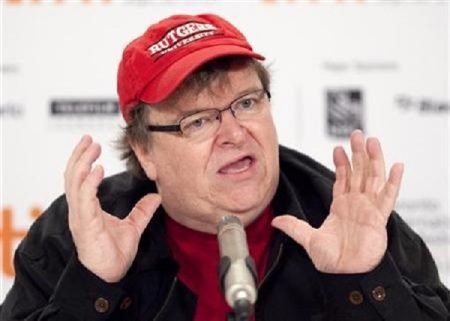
{"x": 143, "y": 211}
{"x": 299, "y": 230}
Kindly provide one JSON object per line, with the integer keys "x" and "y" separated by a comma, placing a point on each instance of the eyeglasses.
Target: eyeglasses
{"x": 205, "y": 123}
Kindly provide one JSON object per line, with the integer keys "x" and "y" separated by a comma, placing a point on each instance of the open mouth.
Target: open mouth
{"x": 239, "y": 166}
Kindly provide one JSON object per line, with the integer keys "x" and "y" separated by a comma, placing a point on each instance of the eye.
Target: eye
{"x": 195, "y": 124}
{"x": 246, "y": 103}
{"x": 249, "y": 102}
{"x": 198, "y": 121}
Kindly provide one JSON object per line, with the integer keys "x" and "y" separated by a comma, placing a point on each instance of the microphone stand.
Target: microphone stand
{"x": 241, "y": 312}
{"x": 242, "y": 309}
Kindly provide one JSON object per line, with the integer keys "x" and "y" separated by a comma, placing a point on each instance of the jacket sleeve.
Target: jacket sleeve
{"x": 404, "y": 287}
{"x": 50, "y": 282}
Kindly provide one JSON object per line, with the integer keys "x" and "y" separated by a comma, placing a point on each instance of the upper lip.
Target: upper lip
{"x": 235, "y": 159}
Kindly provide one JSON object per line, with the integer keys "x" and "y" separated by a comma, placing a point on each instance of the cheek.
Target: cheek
{"x": 266, "y": 137}
{"x": 265, "y": 134}
{"x": 180, "y": 167}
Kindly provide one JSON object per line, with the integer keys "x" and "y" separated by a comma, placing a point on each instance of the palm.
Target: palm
{"x": 110, "y": 245}
{"x": 353, "y": 238}
{"x": 105, "y": 244}
{"x": 348, "y": 240}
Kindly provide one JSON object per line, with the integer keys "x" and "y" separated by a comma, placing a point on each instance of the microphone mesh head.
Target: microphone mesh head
{"x": 229, "y": 220}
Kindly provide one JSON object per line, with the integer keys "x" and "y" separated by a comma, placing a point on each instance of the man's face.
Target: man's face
{"x": 235, "y": 171}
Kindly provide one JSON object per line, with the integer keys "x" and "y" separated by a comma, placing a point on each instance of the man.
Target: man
{"x": 200, "y": 141}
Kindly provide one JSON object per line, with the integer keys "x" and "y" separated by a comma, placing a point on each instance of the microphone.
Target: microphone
{"x": 237, "y": 272}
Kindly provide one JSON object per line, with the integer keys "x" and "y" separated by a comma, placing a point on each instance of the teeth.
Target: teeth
{"x": 237, "y": 167}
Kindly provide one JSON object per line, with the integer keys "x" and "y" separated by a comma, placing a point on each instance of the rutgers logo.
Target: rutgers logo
{"x": 182, "y": 35}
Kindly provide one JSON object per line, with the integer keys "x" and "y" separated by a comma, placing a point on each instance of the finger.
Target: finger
{"x": 390, "y": 191}
{"x": 79, "y": 149}
{"x": 81, "y": 169}
{"x": 359, "y": 161}
{"x": 342, "y": 164}
{"x": 143, "y": 211}
{"x": 88, "y": 205}
{"x": 300, "y": 231}
{"x": 376, "y": 175}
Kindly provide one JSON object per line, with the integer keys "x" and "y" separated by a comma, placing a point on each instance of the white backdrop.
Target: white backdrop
{"x": 336, "y": 65}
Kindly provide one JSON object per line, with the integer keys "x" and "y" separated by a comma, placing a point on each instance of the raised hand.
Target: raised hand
{"x": 105, "y": 244}
{"x": 353, "y": 238}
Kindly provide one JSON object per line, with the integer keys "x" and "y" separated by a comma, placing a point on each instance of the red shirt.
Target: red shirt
{"x": 197, "y": 254}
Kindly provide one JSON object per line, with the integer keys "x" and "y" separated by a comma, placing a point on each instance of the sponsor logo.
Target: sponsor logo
{"x": 360, "y": 66}
{"x": 181, "y": 36}
{"x": 434, "y": 226}
{"x": 344, "y": 111}
{"x": 9, "y": 69}
{"x": 11, "y": 110}
{"x": 422, "y": 105}
{"x": 77, "y": 107}
{"x": 10, "y": 236}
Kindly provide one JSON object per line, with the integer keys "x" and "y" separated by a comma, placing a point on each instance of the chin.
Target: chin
{"x": 244, "y": 208}
{"x": 247, "y": 202}
{"x": 249, "y": 218}
{"x": 243, "y": 200}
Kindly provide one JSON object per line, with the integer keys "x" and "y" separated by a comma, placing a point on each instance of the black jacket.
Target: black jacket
{"x": 51, "y": 284}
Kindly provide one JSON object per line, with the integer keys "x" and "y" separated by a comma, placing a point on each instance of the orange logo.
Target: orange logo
{"x": 9, "y": 236}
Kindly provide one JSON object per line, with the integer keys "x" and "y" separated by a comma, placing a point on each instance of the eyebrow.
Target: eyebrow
{"x": 236, "y": 96}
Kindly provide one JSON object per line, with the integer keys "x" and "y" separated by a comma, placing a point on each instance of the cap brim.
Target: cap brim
{"x": 162, "y": 86}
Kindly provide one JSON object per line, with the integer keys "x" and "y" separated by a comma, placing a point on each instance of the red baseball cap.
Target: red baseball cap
{"x": 157, "y": 62}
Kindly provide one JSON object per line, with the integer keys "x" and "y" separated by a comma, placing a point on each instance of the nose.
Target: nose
{"x": 231, "y": 132}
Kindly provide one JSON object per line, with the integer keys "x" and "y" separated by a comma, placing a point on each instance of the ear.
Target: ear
{"x": 144, "y": 155}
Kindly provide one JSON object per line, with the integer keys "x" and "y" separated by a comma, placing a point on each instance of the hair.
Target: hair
{"x": 135, "y": 133}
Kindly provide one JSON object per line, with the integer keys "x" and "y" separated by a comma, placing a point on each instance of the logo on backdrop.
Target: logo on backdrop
{"x": 344, "y": 111}
{"x": 11, "y": 110}
{"x": 10, "y": 236}
{"x": 86, "y": 107}
{"x": 9, "y": 68}
{"x": 77, "y": 114}
{"x": 361, "y": 66}
{"x": 422, "y": 105}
